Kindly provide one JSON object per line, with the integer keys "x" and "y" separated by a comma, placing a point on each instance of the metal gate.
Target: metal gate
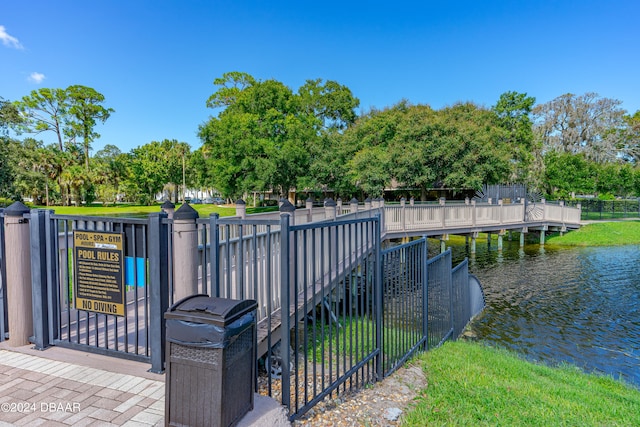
{"x": 136, "y": 333}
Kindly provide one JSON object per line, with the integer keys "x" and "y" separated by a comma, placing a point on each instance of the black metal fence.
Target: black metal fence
{"x": 405, "y": 325}
{"x": 335, "y": 311}
{"x": 608, "y": 209}
{"x": 513, "y": 192}
{"x": 330, "y": 283}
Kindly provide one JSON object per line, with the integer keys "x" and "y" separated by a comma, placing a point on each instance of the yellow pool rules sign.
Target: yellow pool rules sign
{"x": 98, "y": 271}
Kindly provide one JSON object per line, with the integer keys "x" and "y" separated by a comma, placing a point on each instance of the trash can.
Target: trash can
{"x": 210, "y": 361}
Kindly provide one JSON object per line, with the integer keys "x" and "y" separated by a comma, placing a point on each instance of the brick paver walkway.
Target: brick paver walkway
{"x": 39, "y": 391}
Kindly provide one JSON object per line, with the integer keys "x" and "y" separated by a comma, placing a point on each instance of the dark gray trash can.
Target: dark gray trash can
{"x": 211, "y": 361}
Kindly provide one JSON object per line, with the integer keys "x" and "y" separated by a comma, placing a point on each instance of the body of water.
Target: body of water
{"x": 554, "y": 305}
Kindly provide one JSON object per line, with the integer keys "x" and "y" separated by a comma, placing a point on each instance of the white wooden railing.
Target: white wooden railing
{"x": 398, "y": 218}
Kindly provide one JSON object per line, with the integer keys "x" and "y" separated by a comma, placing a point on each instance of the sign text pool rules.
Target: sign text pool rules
{"x": 98, "y": 268}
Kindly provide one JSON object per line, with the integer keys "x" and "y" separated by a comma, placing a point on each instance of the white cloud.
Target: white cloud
{"x": 9, "y": 40}
{"x": 36, "y": 77}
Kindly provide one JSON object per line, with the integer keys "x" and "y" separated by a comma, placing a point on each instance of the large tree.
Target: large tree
{"x": 586, "y": 124}
{"x": 177, "y": 155}
{"x": 70, "y": 114}
{"x": 110, "y": 168}
{"x": 266, "y": 136}
{"x": 154, "y": 165}
{"x": 330, "y": 102}
{"x": 466, "y": 147}
{"x": 514, "y": 115}
{"x": 630, "y": 141}
{"x": 8, "y": 167}
{"x": 9, "y": 117}
{"x": 45, "y": 110}
{"x": 366, "y": 152}
{"x": 567, "y": 173}
{"x": 85, "y": 109}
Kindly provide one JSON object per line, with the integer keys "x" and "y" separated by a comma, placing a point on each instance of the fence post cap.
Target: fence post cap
{"x": 329, "y": 202}
{"x": 240, "y": 202}
{"x": 367, "y": 200}
{"x": 185, "y": 212}
{"x": 287, "y": 206}
{"x": 16, "y": 209}
{"x": 310, "y": 199}
{"x": 354, "y": 201}
{"x": 167, "y": 205}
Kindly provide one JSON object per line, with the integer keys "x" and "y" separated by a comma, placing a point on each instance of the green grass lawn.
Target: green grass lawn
{"x": 355, "y": 336}
{"x": 204, "y": 210}
{"x": 600, "y": 234}
{"x": 606, "y": 233}
{"x": 470, "y": 384}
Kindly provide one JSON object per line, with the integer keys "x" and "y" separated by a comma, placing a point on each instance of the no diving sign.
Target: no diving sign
{"x": 98, "y": 271}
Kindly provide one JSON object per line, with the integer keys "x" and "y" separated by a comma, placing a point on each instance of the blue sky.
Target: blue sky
{"x": 155, "y": 61}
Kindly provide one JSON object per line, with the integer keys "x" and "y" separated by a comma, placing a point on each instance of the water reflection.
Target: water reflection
{"x": 580, "y": 306}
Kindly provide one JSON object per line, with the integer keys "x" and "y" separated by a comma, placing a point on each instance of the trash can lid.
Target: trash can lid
{"x": 221, "y": 308}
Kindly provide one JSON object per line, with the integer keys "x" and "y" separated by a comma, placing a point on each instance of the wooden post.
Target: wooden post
{"x": 367, "y": 204}
{"x": 168, "y": 208}
{"x": 474, "y": 236}
{"x": 500, "y": 234}
{"x": 522, "y": 233}
{"x": 18, "y": 264}
{"x": 339, "y": 206}
{"x": 353, "y": 205}
{"x": 290, "y": 210}
{"x": 309, "y": 207}
{"x": 474, "y": 213}
{"x": 185, "y": 252}
{"x": 241, "y": 208}
{"x": 330, "y": 209}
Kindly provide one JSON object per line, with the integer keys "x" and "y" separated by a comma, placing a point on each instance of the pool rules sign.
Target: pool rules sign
{"x": 98, "y": 269}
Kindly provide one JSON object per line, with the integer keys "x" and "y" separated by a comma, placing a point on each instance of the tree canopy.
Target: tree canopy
{"x": 267, "y": 137}
{"x": 586, "y": 124}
